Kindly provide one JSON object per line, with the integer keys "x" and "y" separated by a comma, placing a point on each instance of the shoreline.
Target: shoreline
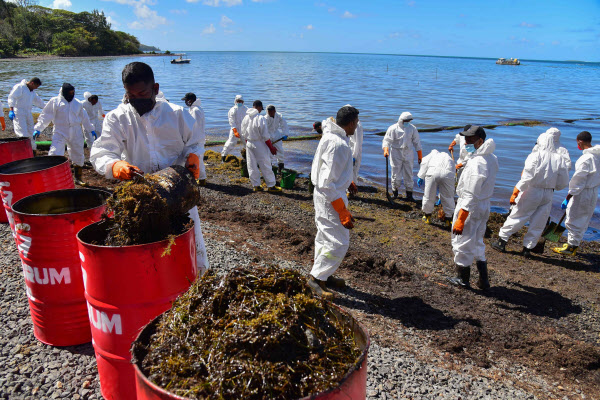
{"x": 50, "y": 57}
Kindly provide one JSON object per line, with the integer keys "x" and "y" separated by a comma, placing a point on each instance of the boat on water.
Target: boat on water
{"x": 508, "y": 61}
{"x": 180, "y": 60}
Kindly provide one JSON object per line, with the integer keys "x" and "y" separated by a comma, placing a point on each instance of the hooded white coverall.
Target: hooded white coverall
{"x": 235, "y": 116}
{"x": 437, "y": 169}
{"x": 68, "y": 118}
{"x": 356, "y": 142}
{"x": 403, "y": 140}
{"x": 475, "y": 188}
{"x": 160, "y": 138}
{"x": 545, "y": 171}
{"x": 94, "y": 113}
{"x": 255, "y": 132}
{"x": 22, "y": 99}
{"x": 197, "y": 113}
{"x": 331, "y": 174}
{"x": 584, "y": 187}
{"x": 555, "y": 133}
{"x": 278, "y": 128}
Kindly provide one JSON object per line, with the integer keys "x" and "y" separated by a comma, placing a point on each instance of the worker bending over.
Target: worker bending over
{"x": 475, "y": 188}
{"x": 278, "y": 128}
{"x": 331, "y": 174}
{"x": 437, "y": 172}
{"x": 197, "y": 113}
{"x": 583, "y": 194}
{"x": 236, "y": 115}
{"x": 21, "y": 99}
{"x": 146, "y": 135}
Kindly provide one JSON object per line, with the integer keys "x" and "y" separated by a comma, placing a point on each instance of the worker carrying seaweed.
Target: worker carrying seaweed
{"x": 278, "y": 129}
{"x": 399, "y": 143}
{"x": 258, "y": 146}
{"x": 93, "y": 107}
{"x": 146, "y": 135}
{"x": 545, "y": 171}
{"x": 583, "y": 194}
{"x": 236, "y": 115}
{"x": 68, "y": 116}
{"x": 197, "y": 113}
{"x": 331, "y": 174}
{"x": 21, "y": 99}
{"x": 437, "y": 173}
{"x": 475, "y": 188}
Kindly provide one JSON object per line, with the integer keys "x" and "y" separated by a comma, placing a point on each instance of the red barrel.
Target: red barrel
{"x": 14, "y": 149}
{"x": 46, "y": 226}
{"x": 353, "y": 385}
{"x": 22, "y": 178}
{"x": 125, "y": 288}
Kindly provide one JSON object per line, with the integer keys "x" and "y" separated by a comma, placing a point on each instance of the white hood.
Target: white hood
{"x": 546, "y": 142}
{"x": 86, "y": 96}
{"x": 329, "y": 126}
{"x": 197, "y": 103}
{"x": 405, "y": 116}
{"x": 252, "y": 112}
{"x": 487, "y": 147}
{"x": 593, "y": 150}
{"x": 238, "y": 97}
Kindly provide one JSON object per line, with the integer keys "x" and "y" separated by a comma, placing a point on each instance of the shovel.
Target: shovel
{"x": 280, "y": 139}
{"x": 387, "y": 181}
{"x": 554, "y": 231}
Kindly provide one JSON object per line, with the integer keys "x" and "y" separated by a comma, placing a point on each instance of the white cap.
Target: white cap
{"x": 86, "y": 95}
{"x": 239, "y": 97}
{"x": 406, "y": 116}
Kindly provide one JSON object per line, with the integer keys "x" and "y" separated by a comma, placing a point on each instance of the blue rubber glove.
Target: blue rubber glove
{"x": 94, "y": 135}
{"x": 420, "y": 182}
{"x": 284, "y": 137}
{"x": 36, "y": 134}
{"x": 11, "y": 115}
{"x": 353, "y": 161}
{"x": 564, "y": 204}
{"x": 438, "y": 202}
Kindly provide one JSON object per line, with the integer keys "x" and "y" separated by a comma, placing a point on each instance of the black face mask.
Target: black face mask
{"x": 142, "y": 106}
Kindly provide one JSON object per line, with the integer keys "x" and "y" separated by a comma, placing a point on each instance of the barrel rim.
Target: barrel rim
{"x": 32, "y": 197}
{"x": 131, "y": 246}
{"x": 333, "y": 307}
{"x": 13, "y": 140}
{"x": 8, "y": 166}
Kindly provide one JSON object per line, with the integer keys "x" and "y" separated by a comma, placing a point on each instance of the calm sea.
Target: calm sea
{"x": 307, "y": 87}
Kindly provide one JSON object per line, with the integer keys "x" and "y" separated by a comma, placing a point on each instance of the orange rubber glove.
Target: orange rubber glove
{"x": 124, "y": 171}
{"x": 420, "y": 155}
{"x": 513, "y": 198}
{"x": 236, "y": 133}
{"x": 3, "y": 123}
{"x": 353, "y": 189}
{"x": 451, "y": 147}
{"x": 459, "y": 225}
{"x": 345, "y": 216}
{"x": 458, "y": 166}
{"x": 193, "y": 165}
{"x": 386, "y": 151}
{"x": 103, "y": 115}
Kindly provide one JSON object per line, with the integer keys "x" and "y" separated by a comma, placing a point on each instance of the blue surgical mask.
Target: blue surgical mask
{"x": 470, "y": 148}
{"x": 239, "y": 104}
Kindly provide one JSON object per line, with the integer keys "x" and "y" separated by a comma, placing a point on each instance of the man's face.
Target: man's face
{"x": 141, "y": 90}
{"x": 351, "y": 128}
{"x": 319, "y": 129}
{"x": 271, "y": 113}
{"x": 259, "y": 108}
{"x": 240, "y": 102}
{"x": 94, "y": 101}
{"x": 476, "y": 140}
{"x": 32, "y": 86}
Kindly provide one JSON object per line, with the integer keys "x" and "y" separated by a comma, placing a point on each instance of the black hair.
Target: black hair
{"x": 346, "y": 115}
{"x": 93, "y": 97}
{"x": 318, "y": 123}
{"x": 36, "y": 80}
{"x": 585, "y": 136}
{"x": 137, "y": 72}
{"x": 270, "y": 107}
{"x": 257, "y": 103}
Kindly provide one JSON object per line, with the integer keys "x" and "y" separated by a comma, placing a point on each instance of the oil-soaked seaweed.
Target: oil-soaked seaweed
{"x": 253, "y": 334}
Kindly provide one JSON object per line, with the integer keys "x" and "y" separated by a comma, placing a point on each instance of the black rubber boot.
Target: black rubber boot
{"x": 79, "y": 176}
{"x": 526, "y": 252}
{"x": 463, "y": 275}
{"x": 499, "y": 245}
{"x": 318, "y": 287}
{"x": 335, "y": 282}
{"x": 223, "y": 158}
{"x": 484, "y": 282}
{"x": 409, "y": 196}
{"x": 395, "y": 193}
{"x": 280, "y": 168}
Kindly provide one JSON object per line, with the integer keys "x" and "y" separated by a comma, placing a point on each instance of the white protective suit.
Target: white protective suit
{"x": 403, "y": 140}
{"x": 545, "y": 170}
{"x": 68, "y": 118}
{"x": 437, "y": 170}
{"x": 356, "y": 142}
{"x": 22, "y": 99}
{"x": 235, "y": 116}
{"x": 331, "y": 174}
{"x": 94, "y": 113}
{"x": 555, "y": 133}
{"x": 278, "y": 128}
{"x": 197, "y": 112}
{"x": 160, "y": 138}
{"x": 584, "y": 187}
{"x": 475, "y": 188}
{"x": 254, "y": 131}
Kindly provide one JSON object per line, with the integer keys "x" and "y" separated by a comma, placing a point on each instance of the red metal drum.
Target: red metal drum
{"x": 125, "y": 288}
{"x": 46, "y": 225}
{"x": 22, "y": 178}
{"x": 353, "y": 385}
{"x": 14, "y": 149}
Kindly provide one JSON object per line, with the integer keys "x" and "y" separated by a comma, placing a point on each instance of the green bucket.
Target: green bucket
{"x": 288, "y": 177}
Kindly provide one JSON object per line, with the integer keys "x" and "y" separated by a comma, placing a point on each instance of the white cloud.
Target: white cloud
{"x": 113, "y": 23}
{"x": 179, "y": 12}
{"x": 64, "y": 4}
{"x": 329, "y": 8}
{"x": 226, "y": 21}
{"x": 209, "y": 30}
{"x": 217, "y": 3}
{"x": 146, "y": 17}
{"x": 411, "y": 3}
{"x": 309, "y": 27}
{"x": 348, "y": 14}
{"x": 527, "y": 25}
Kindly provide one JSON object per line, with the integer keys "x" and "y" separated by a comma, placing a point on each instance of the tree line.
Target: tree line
{"x": 27, "y": 28}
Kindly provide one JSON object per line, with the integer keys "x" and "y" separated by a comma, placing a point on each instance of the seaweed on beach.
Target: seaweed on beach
{"x": 253, "y": 334}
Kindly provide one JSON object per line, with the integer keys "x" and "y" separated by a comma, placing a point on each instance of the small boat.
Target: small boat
{"x": 181, "y": 60}
{"x": 508, "y": 61}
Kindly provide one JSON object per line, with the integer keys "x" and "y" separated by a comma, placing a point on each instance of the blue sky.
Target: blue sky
{"x": 530, "y": 29}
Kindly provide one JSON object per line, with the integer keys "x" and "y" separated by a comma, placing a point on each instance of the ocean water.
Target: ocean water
{"x": 307, "y": 87}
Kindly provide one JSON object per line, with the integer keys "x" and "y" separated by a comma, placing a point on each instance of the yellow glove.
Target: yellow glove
{"x": 459, "y": 224}
{"x": 513, "y": 198}
{"x": 124, "y": 171}
{"x": 345, "y": 216}
{"x": 386, "y": 151}
{"x": 193, "y": 165}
